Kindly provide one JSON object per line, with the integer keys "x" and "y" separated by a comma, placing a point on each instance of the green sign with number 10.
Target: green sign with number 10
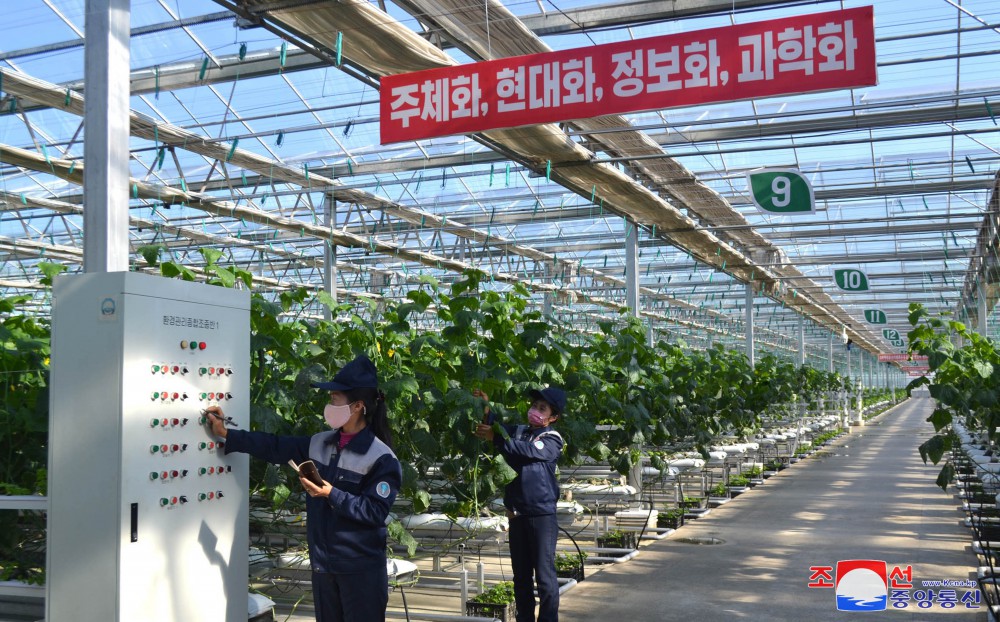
{"x": 850, "y": 280}
{"x": 781, "y": 191}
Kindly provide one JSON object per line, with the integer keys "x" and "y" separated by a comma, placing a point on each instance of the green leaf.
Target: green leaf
{"x": 211, "y": 255}
{"x": 224, "y": 276}
{"x": 946, "y": 476}
{"x": 984, "y": 369}
{"x": 151, "y": 253}
{"x": 940, "y": 418}
{"x": 500, "y": 431}
{"x": 50, "y": 270}
{"x": 400, "y": 535}
{"x": 170, "y": 270}
{"x": 933, "y": 448}
{"x": 421, "y": 501}
{"x": 325, "y": 299}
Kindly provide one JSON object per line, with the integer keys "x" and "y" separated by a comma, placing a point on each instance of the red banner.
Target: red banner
{"x": 806, "y": 53}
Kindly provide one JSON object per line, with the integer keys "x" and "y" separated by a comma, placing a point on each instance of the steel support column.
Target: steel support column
{"x": 329, "y": 253}
{"x": 632, "y": 268}
{"x": 749, "y": 324}
{"x": 983, "y": 312}
{"x": 802, "y": 340}
{"x": 106, "y": 146}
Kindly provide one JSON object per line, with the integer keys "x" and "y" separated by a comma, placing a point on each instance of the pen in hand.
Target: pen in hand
{"x": 227, "y": 420}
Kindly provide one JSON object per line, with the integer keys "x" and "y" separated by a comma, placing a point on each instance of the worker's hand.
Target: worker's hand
{"x": 216, "y": 420}
{"x": 484, "y": 431}
{"x": 315, "y": 491}
{"x": 486, "y": 398}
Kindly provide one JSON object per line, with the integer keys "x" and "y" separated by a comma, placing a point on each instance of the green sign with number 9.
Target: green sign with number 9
{"x": 781, "y": 191}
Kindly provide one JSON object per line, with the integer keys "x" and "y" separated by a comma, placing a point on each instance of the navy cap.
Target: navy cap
{"x": 555, "y": 396}
{"x": 358, "y": 374}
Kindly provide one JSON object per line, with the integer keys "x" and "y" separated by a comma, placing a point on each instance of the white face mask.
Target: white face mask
{"x": 336, "y": 416}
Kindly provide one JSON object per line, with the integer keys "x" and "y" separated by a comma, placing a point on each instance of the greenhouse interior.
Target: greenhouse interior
{"x": 754, "y": 242}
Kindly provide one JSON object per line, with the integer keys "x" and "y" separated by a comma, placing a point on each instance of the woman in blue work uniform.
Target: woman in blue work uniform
{"x": 532, "y": 451}
{"x": 346, "y": 517}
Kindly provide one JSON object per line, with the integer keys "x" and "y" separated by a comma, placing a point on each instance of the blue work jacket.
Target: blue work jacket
{"x": 532, "y": 453}
{"x": 347, "y": 531}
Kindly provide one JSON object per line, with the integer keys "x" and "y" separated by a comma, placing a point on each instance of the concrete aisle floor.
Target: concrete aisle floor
{"x": 868, "y": 496}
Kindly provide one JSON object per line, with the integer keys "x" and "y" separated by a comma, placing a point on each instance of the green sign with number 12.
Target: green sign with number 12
{"x": 781, "y": 191}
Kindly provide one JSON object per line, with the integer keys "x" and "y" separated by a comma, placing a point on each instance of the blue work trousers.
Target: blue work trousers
{"x": 354, "y": 597}
{"x": 533, "y": 556}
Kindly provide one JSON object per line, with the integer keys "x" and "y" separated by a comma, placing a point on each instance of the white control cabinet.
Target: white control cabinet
{"x": 147, "y": 516}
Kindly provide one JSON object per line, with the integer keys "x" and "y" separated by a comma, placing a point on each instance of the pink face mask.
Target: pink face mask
{"x": 536, "y": 418}
{"x": 336, "y": 416}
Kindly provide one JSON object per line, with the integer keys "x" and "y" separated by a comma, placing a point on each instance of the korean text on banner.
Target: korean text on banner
{"x": 801, "y": 54}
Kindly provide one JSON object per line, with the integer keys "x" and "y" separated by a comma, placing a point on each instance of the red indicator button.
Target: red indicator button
{"x": 164, "y": 449}
{"x": 174, "y": 474}
{"x": 211, "y": 445}
{"x": 164, "y": 423}
{"x": 211, "y": 371}
{"x": 211, "y": 495}
{"x": 175, "y": 369}
{"x": 175, "y": 421}
{"x": 211, "y": 470}
{"x": 220, "y": 470}
{"x": 173, "y": 500}
{"x": 164, "y": 475}
{"x": 175, "y": 448}
{"x": 202, "y": 345}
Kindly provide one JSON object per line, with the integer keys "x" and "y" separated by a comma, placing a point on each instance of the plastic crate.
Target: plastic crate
{"x": 504, "y": 613}
{"x": 625, "y": 541}
{"x": 575, "y": 572}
